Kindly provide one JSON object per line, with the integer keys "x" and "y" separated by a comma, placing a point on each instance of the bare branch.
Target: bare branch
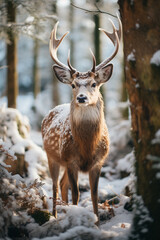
{"x": 11, "y": 25}
{"x": 2, "y": 67}
{"x": 94, "y": 11}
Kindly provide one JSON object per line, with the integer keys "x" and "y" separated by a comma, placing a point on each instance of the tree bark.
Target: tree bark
{"x": 12, "y": 80}
{"x": 141, "y": 34}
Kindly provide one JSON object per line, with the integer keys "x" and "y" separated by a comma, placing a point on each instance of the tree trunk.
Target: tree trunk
{"x": 56, "y": 97}
{"x": 72, "y": 42}
{"x": 141, "y": 34}
{"x": 97, "y": 37}
{"x": 12, "y": 80}
{"x": 36, "y": 79}
{"x": 97, "y": 45}
{"x": 124, "y": 97}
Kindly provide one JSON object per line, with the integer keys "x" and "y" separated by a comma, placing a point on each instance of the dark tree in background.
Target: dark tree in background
{"x": 97, "y": 36}
{"x": 56, "y": 97}
{"x": 97, "y": 44}
{"x": 36, "y": 79}
{"x": 12, "y": 80}
{"x": 141, "y": 33}
{"x": 72, "y": 42}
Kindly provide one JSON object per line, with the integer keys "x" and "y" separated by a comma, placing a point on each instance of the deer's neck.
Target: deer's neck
{"x": 86, "y": 125}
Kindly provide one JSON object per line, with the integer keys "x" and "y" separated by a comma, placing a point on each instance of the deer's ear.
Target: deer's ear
{"x": 104, "y": 74}
{"x": 62, "y": 74}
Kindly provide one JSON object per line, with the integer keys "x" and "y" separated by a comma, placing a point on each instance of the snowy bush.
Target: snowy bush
{"x": 21, "y": 199}
{"x": 14, "y": 132}
{"x": 18, "y": 202}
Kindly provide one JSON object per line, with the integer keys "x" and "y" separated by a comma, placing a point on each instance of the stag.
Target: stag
{"x": 75, "y": 135}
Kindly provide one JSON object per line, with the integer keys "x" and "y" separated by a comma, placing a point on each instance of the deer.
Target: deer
{"x": 75, "y": 135}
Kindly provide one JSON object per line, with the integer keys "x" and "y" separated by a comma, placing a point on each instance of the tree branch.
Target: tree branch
{"x": 2, "y": 67}
{"x": 93, "y": 11}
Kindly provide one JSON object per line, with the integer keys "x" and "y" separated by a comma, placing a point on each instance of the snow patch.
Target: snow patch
{"x": 155, "y": 60}
{"x": 131, "y": 57}
{"x": 126, "y": 164}
{"x": 62, "y": 114}
{"x": 119, "y": 137}
{"x": 156, "y": 140}
{"x": 158, "y": 175}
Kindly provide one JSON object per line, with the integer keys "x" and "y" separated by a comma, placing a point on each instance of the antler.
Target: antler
{"x": 115, "y": 38}
{"x": 94, "y": 61}
{"x": 53, "y": 47}
{"x": 55, "y": 43}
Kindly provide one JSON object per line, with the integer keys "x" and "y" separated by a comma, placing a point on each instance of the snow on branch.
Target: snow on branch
{"x": 8, "y": 152}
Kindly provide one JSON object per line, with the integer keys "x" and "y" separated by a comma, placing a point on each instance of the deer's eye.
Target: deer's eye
{"x": 73, "y": 86}
{"x": 93, "y": 85}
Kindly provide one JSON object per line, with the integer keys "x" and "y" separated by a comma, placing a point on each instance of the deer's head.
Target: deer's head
{"x": 86, "y": 85}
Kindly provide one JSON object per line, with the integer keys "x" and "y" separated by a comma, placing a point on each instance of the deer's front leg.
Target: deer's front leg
{"x": 94, "y": 179}
{"x": 54, "y": 171}
{"x": 73, "y": 180}
{"x": 64, "y": 186}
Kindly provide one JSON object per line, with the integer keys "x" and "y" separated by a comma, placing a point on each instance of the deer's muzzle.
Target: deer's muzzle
{"x": 82, "y": 98}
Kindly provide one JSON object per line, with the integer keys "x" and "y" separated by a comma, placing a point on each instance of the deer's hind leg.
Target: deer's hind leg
{"x": 54, "y": 171}
{"x": 64, "y": 184}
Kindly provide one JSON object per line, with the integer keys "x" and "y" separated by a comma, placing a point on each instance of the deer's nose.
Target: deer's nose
{"x": 81, "y": 98}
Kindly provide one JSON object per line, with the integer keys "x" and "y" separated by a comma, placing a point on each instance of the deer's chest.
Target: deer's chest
{"x": 86, "y": 158}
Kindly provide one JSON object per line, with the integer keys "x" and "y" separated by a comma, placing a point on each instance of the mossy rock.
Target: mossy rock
{"x": 40, "y": 216}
